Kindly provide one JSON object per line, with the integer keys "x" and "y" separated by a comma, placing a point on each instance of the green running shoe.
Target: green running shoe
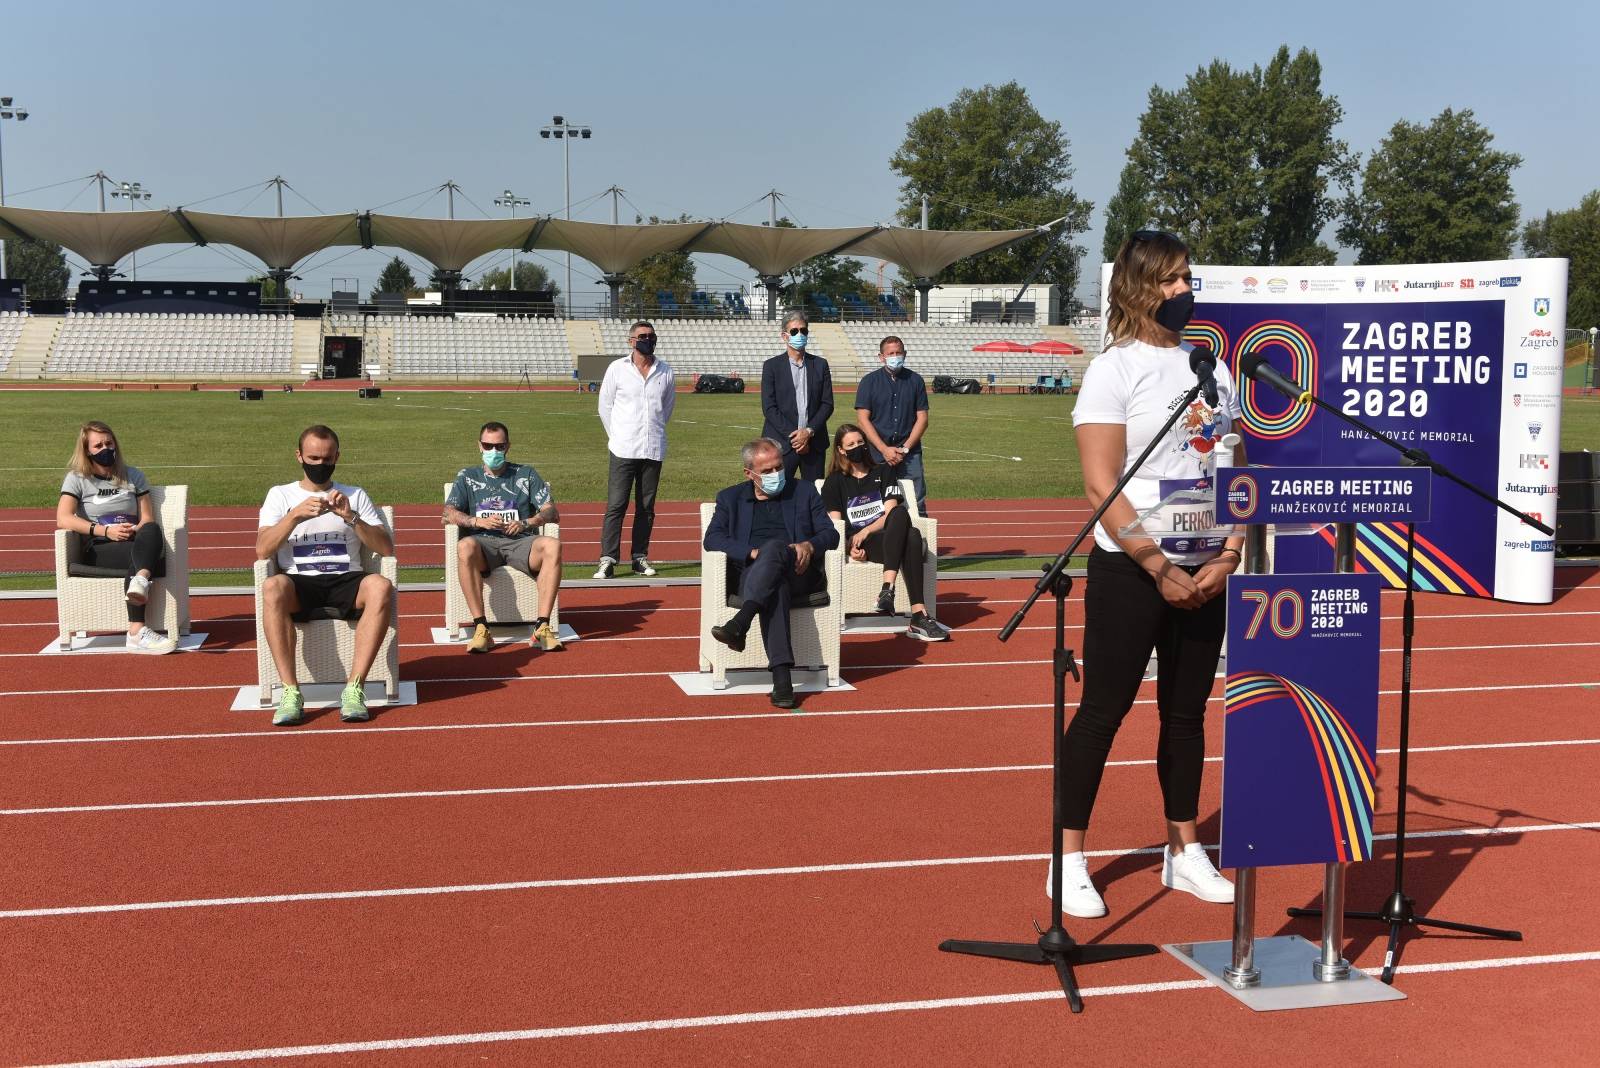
{"x": 353, "y": 704}
{"x": 291, "y": 707}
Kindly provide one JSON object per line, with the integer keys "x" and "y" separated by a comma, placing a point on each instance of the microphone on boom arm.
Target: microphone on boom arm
{"x": 1254, "y": 366}
{"x": 1203, "y": 362}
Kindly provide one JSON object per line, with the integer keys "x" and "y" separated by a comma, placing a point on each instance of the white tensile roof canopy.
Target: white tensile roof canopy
{"x": 103, "y": 238}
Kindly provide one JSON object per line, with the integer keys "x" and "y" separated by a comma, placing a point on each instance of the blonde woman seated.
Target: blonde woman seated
{"x": 878, "y": 527}
{"x": 109, "y": 503}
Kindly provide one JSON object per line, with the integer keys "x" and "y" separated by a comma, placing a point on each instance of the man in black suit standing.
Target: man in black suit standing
{"x": 797, "y": 399}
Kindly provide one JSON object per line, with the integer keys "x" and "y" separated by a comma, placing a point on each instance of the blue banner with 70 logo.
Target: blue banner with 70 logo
{"x": 1300, "y": 726}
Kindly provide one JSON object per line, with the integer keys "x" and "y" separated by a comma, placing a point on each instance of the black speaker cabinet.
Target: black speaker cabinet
{"x": 250, "y": 393}
{"x": 369, "y": 392}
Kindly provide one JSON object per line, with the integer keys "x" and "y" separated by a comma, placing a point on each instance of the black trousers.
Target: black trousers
{"x": 771, "y": 582}
{"x": 899, "y": 547}
{"x": 142, "y": 552}
{"x": 808, "y": 464}
{"x": 1125, "y": 619}
{"x": 629, "y": 478}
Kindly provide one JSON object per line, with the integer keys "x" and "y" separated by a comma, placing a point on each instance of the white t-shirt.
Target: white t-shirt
{"x": 326, "y": 545}
{"x": 1137, "y": 385}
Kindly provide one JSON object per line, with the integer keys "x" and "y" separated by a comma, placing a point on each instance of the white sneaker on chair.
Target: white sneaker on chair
{"x": 138, "y": 590}
{"x": 1078, "y": 896}
{"x": 1192, "y": 872}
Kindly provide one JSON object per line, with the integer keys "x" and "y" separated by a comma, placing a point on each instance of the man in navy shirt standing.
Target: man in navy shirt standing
{"x": 892, "y": 410}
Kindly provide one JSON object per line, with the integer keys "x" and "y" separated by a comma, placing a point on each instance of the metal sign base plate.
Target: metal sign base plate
{"x": 1285, "y": 963}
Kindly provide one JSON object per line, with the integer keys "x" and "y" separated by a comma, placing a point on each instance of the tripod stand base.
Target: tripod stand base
{"x": 1054, "y": 947}
{"x": 1286, "y": 963}
{"x": 1401, "y": 912}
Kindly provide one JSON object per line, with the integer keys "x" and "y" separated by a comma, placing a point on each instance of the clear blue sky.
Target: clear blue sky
{"x": 702, "y": 108}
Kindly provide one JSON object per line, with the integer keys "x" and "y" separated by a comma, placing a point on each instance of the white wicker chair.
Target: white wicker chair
{"x": 863, "y": 578}
{"x": 814, "y": 630}
{"x": 324, "y": 649}
{"x": 94, "y": 599}
{"x": 509, "y": 596}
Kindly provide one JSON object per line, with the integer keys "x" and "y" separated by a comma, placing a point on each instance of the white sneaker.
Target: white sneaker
{"x": 1192, "y": 872}
{"x": 150, "y": 641}
{"x": 641, "y": 566}
{"x": 138, "y": 590}
{"x": 1078, "y": 895}
{"x": 606, "y": 569}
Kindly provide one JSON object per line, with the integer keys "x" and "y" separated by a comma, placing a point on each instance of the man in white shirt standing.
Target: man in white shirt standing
{"x": 636, "y": 400}
{"x": 316, "y": 528}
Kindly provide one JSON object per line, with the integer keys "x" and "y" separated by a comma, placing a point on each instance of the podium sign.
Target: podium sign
{"x": 1324, "y": 494}
{"x": 1300, "y": 727}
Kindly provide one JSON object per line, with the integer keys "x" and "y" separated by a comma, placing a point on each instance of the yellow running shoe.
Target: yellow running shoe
{"x": 482, "y": 641}
{"x": 545, "y": 637}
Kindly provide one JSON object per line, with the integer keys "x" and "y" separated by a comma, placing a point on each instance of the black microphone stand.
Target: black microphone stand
{"x": 1055, "y": 946}
{"x": 1400, "y": 911}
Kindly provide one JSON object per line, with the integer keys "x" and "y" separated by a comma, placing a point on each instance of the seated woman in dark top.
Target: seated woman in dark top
{"x": 878, "y": 525}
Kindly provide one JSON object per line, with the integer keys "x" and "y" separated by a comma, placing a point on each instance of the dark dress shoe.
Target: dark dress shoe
{"x": 785, "y": 698}
{"x": 733, "y": 639}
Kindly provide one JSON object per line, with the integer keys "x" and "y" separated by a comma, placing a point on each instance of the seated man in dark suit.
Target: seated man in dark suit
{"x": 774, "y": 531}
{"x": 797, "y": 401}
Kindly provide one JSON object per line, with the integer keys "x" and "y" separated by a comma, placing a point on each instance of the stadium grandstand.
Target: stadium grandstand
{"x": 116, "y": 329}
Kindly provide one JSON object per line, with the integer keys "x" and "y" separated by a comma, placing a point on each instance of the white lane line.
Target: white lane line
{"x": 828, "y": 1012}
{"x": 731, "y": 780}
{"x": 351, "y": 731}
{"x": 688, "y": 876}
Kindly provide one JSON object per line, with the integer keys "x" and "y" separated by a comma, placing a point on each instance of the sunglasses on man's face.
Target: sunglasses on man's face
{"x": 793, "y": 330}
{"x": 644, "y": 337}
{"x": 487, "y": 445}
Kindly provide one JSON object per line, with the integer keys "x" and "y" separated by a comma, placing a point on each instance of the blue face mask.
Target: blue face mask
{"x": 797, "y": 342}
{"x": 493, "y": 458}
{"x": 894, "y": 363}
{"x": 772, "y": 483}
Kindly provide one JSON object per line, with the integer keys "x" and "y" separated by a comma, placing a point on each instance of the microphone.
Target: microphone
{"x": 1255, "y": 367}
{"x": 1203, "y": 362}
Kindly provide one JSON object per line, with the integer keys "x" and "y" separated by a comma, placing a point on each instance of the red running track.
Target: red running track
{"x": 571, "y": 862}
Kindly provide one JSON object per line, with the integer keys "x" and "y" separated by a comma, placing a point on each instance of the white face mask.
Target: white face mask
{"x": 894, "y": 363}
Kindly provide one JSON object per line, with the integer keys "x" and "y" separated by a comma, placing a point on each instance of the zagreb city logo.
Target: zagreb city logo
{"x": 1541, "y": 305}
{"x": 1534, "y": 430}
{"x": 1242, "y": 497}
{"x": 1361, "y": 284}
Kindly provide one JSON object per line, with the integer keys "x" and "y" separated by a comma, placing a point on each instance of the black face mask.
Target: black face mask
{"x": 857, "y": 455}
{"x": 645, "y": 345}
{"x": 317, "y": 474}
{"x": 1175, "y": 312}
{"x": 105, "y": 457}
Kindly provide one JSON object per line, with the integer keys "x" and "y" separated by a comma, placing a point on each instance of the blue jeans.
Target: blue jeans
{"x": 912, "y": 469}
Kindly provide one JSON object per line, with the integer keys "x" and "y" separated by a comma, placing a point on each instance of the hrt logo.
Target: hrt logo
{"x": 1386, "y": 285}
{"x": 1541, "y": 305}
{"x": 1533, "y": 461}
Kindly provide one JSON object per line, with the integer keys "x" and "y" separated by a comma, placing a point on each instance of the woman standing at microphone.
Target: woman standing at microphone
{"x": 1148, "y": 594}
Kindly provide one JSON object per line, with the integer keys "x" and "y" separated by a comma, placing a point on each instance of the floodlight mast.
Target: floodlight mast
{"x": 564, "y": 131}
{"x": 132, "y": 192}
{"x": 8, "y": 110}
{"x": 508, "y": 199}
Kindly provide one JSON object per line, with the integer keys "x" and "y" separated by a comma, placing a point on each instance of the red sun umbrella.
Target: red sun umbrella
{"x": 1000, "y": 346}
{"x": 1052, "y": 347}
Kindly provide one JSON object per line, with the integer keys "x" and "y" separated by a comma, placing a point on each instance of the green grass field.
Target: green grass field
{"x": 403, "y": 447}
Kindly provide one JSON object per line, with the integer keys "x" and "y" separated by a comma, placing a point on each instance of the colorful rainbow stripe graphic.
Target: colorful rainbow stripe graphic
{"x": 1381, "y": 548}
{"x": 1205, "y": 332}
{"x": 1348, "y": 769}
{"x": 1303, "y": 361}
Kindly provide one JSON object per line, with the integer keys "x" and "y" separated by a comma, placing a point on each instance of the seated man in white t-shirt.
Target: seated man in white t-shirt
{"x": 316, "y": 528}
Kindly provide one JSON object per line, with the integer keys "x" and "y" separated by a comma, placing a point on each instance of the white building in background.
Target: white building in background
{"x": 961, "y": 303}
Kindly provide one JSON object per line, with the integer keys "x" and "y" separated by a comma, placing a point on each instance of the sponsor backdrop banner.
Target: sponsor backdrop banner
{"x": 1463, "y": 360}
{"x": 1300, "y": 726}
